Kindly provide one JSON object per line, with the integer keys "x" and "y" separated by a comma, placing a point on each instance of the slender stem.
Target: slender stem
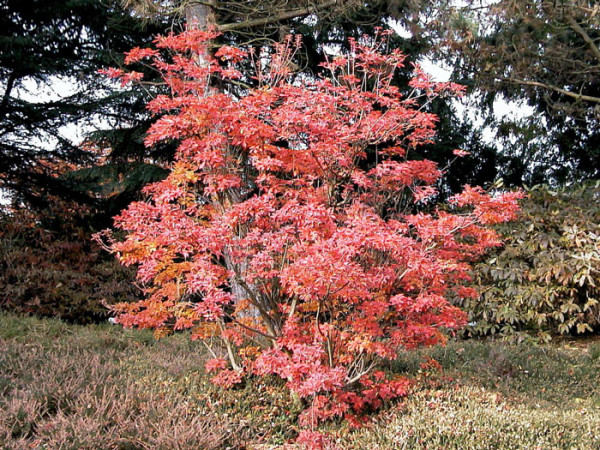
{"x": 214, "y": 355}
{"x": 230, "y": 352}
{"x": 253, "y": 330}
{"x": 359, "y": 375}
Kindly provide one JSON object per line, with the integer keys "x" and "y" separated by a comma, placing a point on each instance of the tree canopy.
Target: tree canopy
{"x": 543, "y": 52}
{"x": 50, "y": 53}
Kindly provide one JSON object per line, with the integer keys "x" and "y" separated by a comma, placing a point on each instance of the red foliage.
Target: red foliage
{"x": 284, "y": 229}
{"x": 313, "y": 440}
{"x": 216, "y": 364}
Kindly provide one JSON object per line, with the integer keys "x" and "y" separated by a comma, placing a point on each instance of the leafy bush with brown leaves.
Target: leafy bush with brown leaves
{"x": 546, "y": 278}
{"x": 50, "y": 267}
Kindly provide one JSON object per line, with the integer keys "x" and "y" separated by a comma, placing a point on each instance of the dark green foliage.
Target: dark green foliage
{"x": 113, "y": 185}
{"x": 545, "y": 279}
{"x": 537, "y": 52}
{"x": 50, "y": 53}
{"x": 479, "y": 168}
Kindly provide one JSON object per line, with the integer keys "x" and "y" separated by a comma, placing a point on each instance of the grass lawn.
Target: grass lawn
{"x": 64, "y": 386}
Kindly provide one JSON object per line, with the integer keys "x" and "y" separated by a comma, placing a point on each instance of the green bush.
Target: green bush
{"x": 50, "y": 267}
{"x": 545, "y": 279}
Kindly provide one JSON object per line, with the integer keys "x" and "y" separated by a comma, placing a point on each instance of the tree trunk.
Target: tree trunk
{"x": 202, "y": 17}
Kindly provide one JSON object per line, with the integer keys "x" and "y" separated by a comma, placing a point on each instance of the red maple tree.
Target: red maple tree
{"x": 285, "y": 236}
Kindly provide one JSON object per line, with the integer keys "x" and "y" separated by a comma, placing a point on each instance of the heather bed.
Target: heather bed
{"x": 100, "y": 386}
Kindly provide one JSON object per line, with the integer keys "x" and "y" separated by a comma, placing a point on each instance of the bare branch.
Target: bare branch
{"x": 10, "y": 83}
{"x": 252, "y": 330}
{"x": 283, "y": 15}
{"x": 573, "y": 95}
{"x": 586, "y": 37}
{"x": 360, "y": 374}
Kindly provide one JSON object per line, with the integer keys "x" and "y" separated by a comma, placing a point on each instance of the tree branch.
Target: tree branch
{"x": 586, "y": 37}
{"x": 550, "y": 87}
{"x": 230, "y": 351}
{"x": 283, "y": 15}
{"x": 10, "y": 83}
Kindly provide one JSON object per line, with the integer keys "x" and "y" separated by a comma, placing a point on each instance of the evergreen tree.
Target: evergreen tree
{"x": 50, "y": 53}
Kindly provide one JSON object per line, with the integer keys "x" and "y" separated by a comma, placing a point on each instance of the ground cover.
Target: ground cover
{"x": 99, "y": 386}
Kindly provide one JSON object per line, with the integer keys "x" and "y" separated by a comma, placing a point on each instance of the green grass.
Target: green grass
{"x": 66, "y": 386}
{"x": 497, "y": 395}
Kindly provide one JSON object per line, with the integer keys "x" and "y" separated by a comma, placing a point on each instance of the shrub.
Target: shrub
{"x": 545, "y": 277}
{"x": 50, "y": 267}
{"x": 288, "y": 230}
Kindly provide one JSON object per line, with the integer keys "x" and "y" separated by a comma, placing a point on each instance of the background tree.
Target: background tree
{"x": 61, "y": 191}
{"x": 545, "y": 53}
{"x": 50, "y": 53}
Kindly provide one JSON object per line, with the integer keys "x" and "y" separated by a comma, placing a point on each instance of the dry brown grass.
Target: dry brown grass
{"x": 102, "y": 387}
